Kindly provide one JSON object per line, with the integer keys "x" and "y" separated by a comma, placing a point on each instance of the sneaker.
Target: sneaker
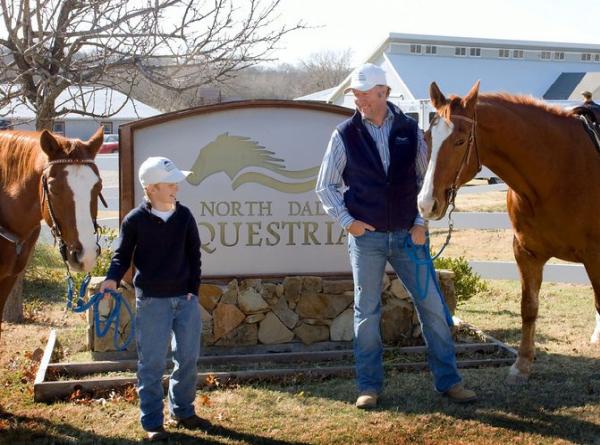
{"x": 367, "y": 400}
{"x": 157, "y": 434}
{"x": 459, "y": 394}
{"x": 193, "y": 422}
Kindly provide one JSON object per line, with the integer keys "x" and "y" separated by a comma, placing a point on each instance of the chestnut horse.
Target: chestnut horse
{"x": 45, "y": 176}
{"x": 551, "y": 167}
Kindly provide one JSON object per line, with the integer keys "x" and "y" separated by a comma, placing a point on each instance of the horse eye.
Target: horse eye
{"x": 459, "y": 142}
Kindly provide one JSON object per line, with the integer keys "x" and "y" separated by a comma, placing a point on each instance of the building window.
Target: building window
{"x": 559, "y": 55}
{"x": 475, "y": 52}
{"x": 503, "y": 52}
{"x": 517, "y": 53}
{"x": 108, "y": 127}
{"x": 415, "y": 48}
{"x": 546, "y": 55}
{"x": 460, "y": 51}
{"x": 430, "y": 49}
{"x": 59, "y": 127}
{"x": 415, "y": 116}
{"x": 597, "y": 57}
{"x": 586, "y": 57}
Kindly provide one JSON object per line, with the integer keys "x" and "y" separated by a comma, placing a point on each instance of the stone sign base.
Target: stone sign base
{"x": 307, "y": 309}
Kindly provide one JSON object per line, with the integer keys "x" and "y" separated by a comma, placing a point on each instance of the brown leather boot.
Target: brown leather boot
{"x": 367, "y": 400}
{"x": 459, "y": 394}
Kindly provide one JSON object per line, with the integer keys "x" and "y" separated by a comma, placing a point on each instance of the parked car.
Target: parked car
{"x": 110, "y": 145}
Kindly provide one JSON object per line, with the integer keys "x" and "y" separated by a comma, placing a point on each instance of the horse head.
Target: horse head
{"x": 71, "y": 186}
{"x": 454, "y": 156}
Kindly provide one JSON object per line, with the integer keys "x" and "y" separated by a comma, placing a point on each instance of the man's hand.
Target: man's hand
{"x": 106, "y": 285}
{"x": 418, "y": 234}
{"x": 357, "y": 228}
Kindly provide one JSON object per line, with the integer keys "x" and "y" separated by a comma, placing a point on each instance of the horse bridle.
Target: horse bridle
{"x": 55, "y": 228}
{"x": 451, "y": 194}
{"x": 465, "y": 159}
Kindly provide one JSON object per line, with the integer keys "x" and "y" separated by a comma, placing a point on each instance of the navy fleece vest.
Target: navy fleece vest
{"x": 386, "y": 201}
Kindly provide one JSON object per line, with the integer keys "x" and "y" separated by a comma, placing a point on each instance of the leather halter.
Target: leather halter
{"x": 55, "y": 228}
{"x": 465, "y": 159}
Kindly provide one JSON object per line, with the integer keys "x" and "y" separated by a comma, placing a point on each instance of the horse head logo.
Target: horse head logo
{"x": 232, "y": 154}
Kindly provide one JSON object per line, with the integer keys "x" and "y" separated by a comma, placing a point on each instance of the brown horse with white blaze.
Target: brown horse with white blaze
{"x": 46, "y": 176}
{"x": 551, "y": 167}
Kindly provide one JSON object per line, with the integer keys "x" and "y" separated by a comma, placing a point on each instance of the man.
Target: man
{"x": 588, "y": 102}
{"x": 380, "y": 156}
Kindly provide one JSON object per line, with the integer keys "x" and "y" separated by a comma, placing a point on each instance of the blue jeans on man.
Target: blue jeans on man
{"x": 369, "y": 254}
{"x": 156, "y": 320}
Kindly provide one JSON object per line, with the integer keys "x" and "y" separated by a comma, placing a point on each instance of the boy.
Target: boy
{"x": 161, "y": 236}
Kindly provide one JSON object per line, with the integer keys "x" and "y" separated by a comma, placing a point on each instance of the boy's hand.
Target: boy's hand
{"x": 108, "y": 285}
{"x": 190, "y": 296}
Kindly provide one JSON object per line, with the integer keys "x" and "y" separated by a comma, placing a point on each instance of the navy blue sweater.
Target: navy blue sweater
{"x": 166, "y": 255}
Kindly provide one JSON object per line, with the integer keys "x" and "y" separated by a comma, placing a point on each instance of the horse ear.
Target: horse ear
{"x": 50, "y": 145}
{"x": 470, "y": 99}
{"x": 437, "y": 97}
{"x": 95, "y": 142}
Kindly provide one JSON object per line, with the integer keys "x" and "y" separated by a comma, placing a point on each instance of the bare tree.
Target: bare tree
{"x": 326, "y": 69}
{"x": 67, "y": 48}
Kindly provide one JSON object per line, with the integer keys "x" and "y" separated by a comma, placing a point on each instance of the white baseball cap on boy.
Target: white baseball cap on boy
{"x": 157, "y": 169}
{"x": 366, "y": 77}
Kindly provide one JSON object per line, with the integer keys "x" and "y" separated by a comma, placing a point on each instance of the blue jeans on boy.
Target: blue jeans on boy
{"x": 156, "y": 319}
{"x": 368, "y": 255}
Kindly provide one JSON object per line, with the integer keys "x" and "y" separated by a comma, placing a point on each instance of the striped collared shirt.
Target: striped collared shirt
{"x": 330, "y": 184}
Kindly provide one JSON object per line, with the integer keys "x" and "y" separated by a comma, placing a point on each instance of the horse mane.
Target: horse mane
{"x": 526, "y": 101}
{"x": 506, "y": 98}
{"x": 19, "y": 153}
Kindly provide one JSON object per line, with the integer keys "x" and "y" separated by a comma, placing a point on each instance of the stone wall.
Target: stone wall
{"x": 305, "y": 309}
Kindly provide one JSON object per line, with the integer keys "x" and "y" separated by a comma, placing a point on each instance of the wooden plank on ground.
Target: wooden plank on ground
{"x": 86, "y": 368}
{"x": 41, "y": 373}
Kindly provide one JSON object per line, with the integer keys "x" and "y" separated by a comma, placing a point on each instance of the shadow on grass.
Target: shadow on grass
{"x": 559, "y": 384}
{"x": 34, "y": 430}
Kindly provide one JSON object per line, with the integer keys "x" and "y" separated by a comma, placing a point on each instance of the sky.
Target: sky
{"x": 362, "y": 25}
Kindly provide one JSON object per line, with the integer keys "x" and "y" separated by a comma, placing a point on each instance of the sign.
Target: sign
{"x": 255, "y": 166}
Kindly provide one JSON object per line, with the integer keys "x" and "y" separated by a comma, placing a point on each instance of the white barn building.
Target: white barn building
{"x": 546, "y": 70}
{"x": 97, "y": 100}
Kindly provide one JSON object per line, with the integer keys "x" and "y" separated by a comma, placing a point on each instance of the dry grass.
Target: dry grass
{"x": 560, "y": 405}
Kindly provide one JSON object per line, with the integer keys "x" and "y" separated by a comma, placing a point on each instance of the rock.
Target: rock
{"x": 273, "y": 331}
{"x": 279, "y": 290}
{"x": 342, "y": 328}
{"x": 311, "y": 285}
{"x": 386, "y": 282}
{"x": 230, "y": 296}
{"x": 338, "y": 286}
{"x": 244, "y": 335}
{"x": 417, "y": 331}
{"x": 207, "y": 326}
{"x": 269, "y": 293}
{"x": 311, "y": 334}
{"x": 446, "y": 278}
{"x": 323, "y": 305}
{"x": 397, "y": 288}
{"x": 251, "y": 283}
{"x": 209, "y": 296}
{"x": 396, "y": 321}
{"x": 250, "y": 301}
{"x": 255, "y": 318}
{"x": 317, "y": 321}
{"x": 292, "y": 289}
{"x": 287, "y": 316}
{"x": 226, "y": 317}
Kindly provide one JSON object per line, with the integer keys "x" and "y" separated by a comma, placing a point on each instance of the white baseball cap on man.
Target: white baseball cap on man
{"x": 157, "y": 169}
{"x": 366, "y": 77}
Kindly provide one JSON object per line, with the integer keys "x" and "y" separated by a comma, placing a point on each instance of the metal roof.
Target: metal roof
{"x": 97, "y": 100}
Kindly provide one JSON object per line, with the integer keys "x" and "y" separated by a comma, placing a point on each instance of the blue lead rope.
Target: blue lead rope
{"x": 114, "y": 316}
{"x": 426, "y": 262}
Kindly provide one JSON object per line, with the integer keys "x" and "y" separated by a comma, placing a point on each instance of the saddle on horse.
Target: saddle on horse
{"x": 590, "y": 118}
